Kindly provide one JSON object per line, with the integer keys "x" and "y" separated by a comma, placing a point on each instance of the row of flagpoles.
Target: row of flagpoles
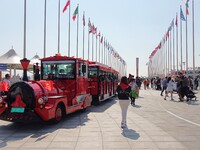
{"x": 162, "y": 58}
{"x": 105, "y": 53}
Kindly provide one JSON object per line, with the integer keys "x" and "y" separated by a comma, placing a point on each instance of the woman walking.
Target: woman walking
{"x": 169, "y": 89}
{"x": 123, "y": 90}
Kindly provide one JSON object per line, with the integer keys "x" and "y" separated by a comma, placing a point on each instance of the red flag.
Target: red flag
{"x": 67, "y": 4}
{"x": 101, "y": 41}
{"x": 99, "y": 34}
{"x": 75, "y": 13}
{"x": 176, "y": 22}
{"x": 84, "y": 19}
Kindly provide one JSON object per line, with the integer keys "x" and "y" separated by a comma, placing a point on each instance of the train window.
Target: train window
{"x": 59, "y": 70}
{"x": 81, "y": 72}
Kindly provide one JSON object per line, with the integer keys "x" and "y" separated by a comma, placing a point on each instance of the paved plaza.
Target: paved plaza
{"x": 153, "y": 124}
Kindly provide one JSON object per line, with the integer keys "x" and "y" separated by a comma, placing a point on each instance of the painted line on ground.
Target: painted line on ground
{"x": 183, "y": 118}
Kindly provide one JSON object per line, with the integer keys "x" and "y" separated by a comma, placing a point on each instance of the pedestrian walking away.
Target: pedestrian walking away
{"x": 169, "y": 88}
{"x": 123, "y": 90}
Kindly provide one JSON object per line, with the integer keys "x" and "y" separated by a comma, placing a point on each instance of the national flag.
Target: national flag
{"x": 101, "y": 41}
{"x": 176, "y": 22}
{"x": 94, "y": 30}
{"x": 182, "y": 15}
{"x": 89, "y": 26}
{"x": 84, "y": 19}
{"x": 187, "y": 7}
{"x": 67, "y": 4}
{"x": 158, "y": 47}
{"x": 75, "y": 14}
{"x": 99, "y": 34}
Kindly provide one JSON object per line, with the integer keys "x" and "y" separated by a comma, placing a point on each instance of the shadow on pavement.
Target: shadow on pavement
{"x": 39, "y": 131}
{"x": 130, "y": 133}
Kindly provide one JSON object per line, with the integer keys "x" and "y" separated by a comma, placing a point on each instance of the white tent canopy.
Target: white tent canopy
{"x": 10, "y": 58}
{"x": 35, "y": 59}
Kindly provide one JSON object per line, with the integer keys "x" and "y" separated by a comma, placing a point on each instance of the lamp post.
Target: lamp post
{"x": 25, "y": 62}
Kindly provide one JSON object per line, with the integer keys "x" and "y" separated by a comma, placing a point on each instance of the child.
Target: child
{"x": 133, "y": 93}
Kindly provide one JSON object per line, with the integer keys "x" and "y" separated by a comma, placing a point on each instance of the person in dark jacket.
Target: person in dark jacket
{"x": 123, "y": 90}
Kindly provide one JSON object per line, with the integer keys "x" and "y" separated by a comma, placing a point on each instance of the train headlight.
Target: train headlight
{"x": 1, "y": 99}
{"x": 40, "y": 101}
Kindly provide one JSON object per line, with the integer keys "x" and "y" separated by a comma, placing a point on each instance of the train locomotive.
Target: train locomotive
{"x": 65, "y": 85}
{"x": 62, "y": 89}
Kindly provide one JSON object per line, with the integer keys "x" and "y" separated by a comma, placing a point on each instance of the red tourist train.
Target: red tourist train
{"x": 67, "y": 84}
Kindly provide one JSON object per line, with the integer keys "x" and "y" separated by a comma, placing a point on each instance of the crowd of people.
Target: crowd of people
{"x": 128, "y": 89}
{"x": 181, "y": 84}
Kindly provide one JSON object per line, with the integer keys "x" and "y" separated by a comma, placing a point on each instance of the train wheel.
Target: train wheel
{"x": 58, "y": 114}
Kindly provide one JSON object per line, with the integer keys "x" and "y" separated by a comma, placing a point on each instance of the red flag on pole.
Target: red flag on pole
{"x": 84, "y": 19}
{"x": 67, "y": 4}
{"x": 75, "y": 13}
{"x": 176, "y": 22}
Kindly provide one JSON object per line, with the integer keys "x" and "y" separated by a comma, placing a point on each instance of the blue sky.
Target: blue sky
{"x": 134, "y": 28}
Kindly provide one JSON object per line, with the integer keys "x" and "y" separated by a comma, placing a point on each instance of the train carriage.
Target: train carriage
{"x": 103, "y": 82}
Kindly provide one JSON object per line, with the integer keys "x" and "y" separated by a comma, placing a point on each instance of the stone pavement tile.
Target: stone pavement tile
{"x": 114, "y": 139}
{"x": 156, "y": 132}
{"x": 193, "y": 145}
{"x": 119, "y": 149}
{"x": 67, "y": 133}
{"x": 58, "y": 149}
{"x": 62, "y": 144}
{"x": 59, "y": 138}
{"x": 33, "y": 145}
{"x": 88, "y": 138}
{"x": 89, "y": 145}
{"x": 163, "y": 138}
{"x": 90, "y": 129}
{"x": 8, "y": 148}
{"x": 142, "y": 145}
{"x": 188, "y": 138}
{"x": 104, "y": 134}
{"x": 116, "y": 145}
{"x": 110, "y": 129}
{"x": 93, "y": 134}
{"x": 169, "y": 145}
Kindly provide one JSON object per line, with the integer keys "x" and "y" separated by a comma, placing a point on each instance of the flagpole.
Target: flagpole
{"x": 69, "y": 30}
{"x": 83, "y": 34}
{"x": 45, "y": 14}
{"x": 186, "y": 45}
{"x": 168, "y": 42}
{"x": 102, "y": 51}
{"x": 88, "y": 40}
{"x": 96, "y": 45}
{"x": 177, "y": 43}
{"x": 77, "y": 34}
{"x": 173, "y": 49}
{"x": 24, "y": 28}
{"x": 59, "y": 26}
{"x": 170, "y": 52}
{"x": 99, "y": 47}
{"x": 194, "y": 73}
{"x": 92, "y": 43}
{"x": 165, "y": 57}
{"x": 181, "y": 48}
